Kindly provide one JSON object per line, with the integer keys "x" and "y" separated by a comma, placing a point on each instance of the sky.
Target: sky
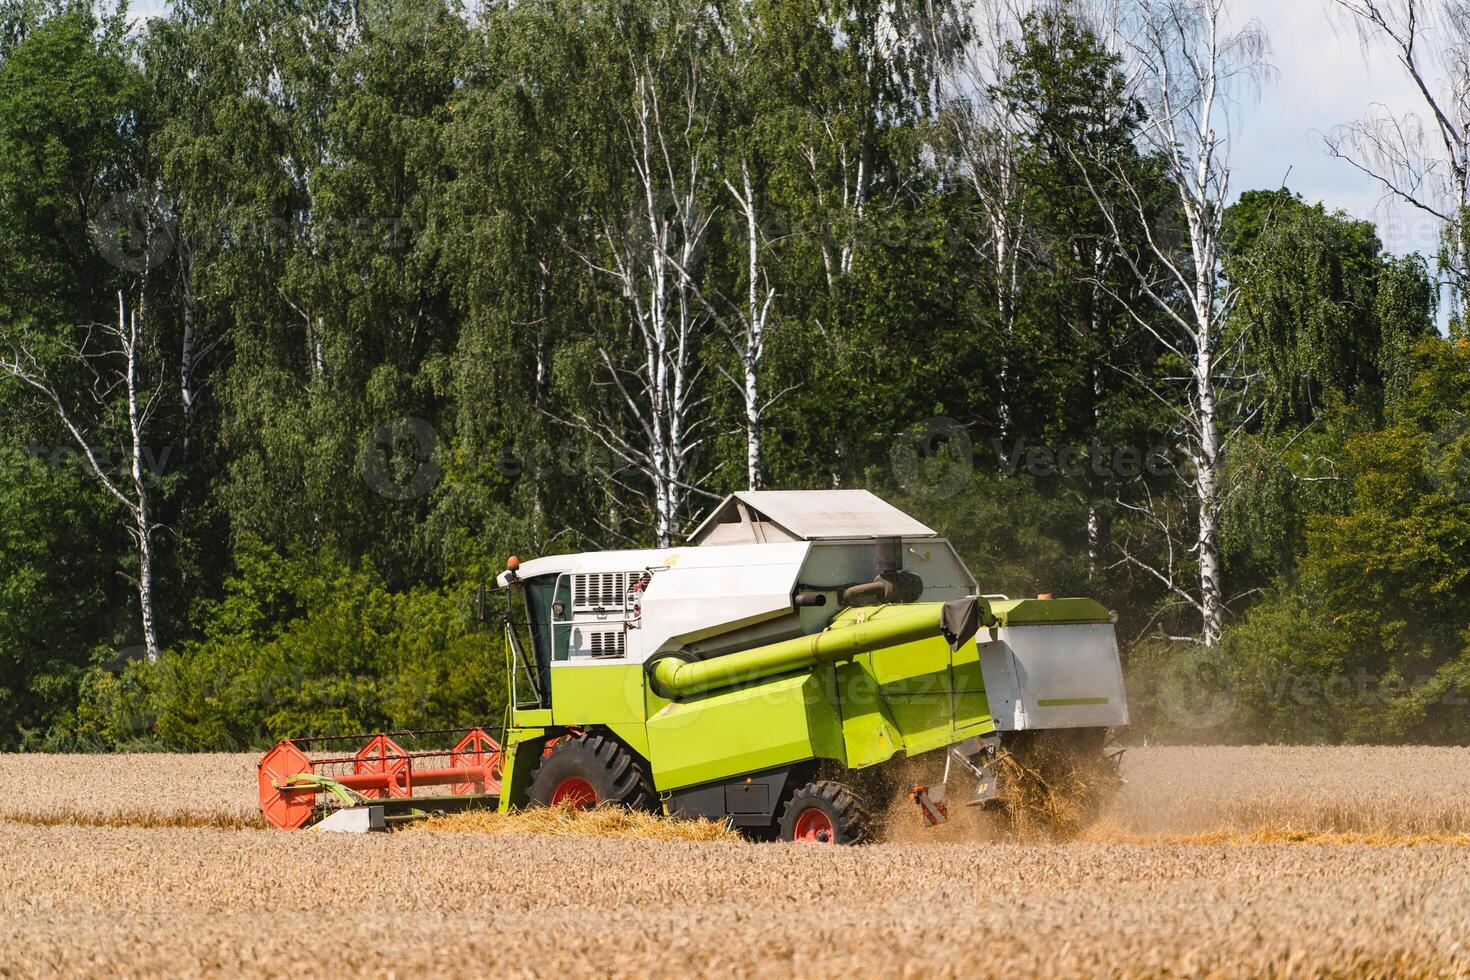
{"x": 1323, "y": 78}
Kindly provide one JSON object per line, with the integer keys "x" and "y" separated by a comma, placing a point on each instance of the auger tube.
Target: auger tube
{"x": 854, "y": 631}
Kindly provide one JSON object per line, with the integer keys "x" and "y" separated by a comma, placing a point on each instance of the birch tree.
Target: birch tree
{"x": 752, "y": 314}
{"x": 653, "y": 416}
{"x": 744, "y": 320}
{"x": 854, "y": 74}
{"x": 1186, "y": 65}
{"x": 112, "y": 357}
{"x": 1427, "y": 167}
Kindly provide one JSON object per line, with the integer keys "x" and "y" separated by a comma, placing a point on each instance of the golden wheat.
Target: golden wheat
{"x": 1211, "y": 862}
{"x": 1169, "y": 793}
{"x": 562, "y": 821}
{"x": 143, "y": 789}
{"x": 124, "y": 901}
{"x": 1375, "y": 791}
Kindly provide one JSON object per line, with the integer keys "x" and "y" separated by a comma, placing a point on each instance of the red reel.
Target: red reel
{"x": 477, "y": 750}
{"x": 383, "y": 756}
{"x": 285, "y": 807}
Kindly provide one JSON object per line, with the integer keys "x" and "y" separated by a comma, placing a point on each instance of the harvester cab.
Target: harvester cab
{"x": 805, "y": 658}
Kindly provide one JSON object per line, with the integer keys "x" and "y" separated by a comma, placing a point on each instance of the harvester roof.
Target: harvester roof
{"x": 769, "y": 516}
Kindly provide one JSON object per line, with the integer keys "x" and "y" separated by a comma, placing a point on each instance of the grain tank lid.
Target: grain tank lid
{"x": 760, "y": 516}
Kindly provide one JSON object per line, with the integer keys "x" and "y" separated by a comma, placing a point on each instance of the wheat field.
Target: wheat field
{"x": 153, "y": 866}
{"x": 1169, "y": 791}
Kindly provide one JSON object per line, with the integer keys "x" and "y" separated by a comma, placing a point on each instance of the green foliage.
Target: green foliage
{"x": 1325, "y": 310}
{"x": 1367, "y": 640}
{"x": 69, "y": 102}
{"x": 54, "y": 593}
{"x": 387, "y": 220}
{"x": 304, "y": 643}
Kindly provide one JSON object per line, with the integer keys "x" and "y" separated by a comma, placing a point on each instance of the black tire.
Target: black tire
{"x": 614, "y": 775}
{"x": 825, "y": 812}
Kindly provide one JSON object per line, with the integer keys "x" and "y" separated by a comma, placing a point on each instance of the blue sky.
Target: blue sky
{"x": 1323, "y": 79}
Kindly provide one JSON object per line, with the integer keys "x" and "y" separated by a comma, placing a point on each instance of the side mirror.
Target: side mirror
{"x": 480, "y": 603}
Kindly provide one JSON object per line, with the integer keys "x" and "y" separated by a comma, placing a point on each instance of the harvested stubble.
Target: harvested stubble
{"x": 80, "y": 900}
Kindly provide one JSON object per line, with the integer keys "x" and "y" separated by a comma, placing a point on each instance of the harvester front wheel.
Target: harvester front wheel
{"x": 824, "y": 812}
{"x": 588, "y": 770}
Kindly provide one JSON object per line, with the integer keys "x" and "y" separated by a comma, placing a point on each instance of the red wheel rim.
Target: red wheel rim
{"x": 815, "y": 826}
{"x": 576, "y": 793}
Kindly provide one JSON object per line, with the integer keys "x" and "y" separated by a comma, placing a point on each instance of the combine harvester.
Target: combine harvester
{"x": 788, "y": 672}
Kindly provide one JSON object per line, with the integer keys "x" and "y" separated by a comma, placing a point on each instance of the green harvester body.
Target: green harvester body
{"x": 739, "y": 669}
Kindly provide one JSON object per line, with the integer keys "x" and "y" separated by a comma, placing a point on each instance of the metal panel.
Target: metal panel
{"x": 1054, "y": 676}
{"x": 932, "y": 559}
{"x": 814, "y": 514}
{"x": 702, "y": 592}
{"x": 731, "y": 733}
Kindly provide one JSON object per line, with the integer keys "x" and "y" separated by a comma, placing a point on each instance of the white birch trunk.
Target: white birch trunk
{"x": 759, "y": 297}
{"x": 981, "y": 136}
{"x": 655, "y": 426}
{"x": 189, "y": 348}
{"x": 132, "y": 495}
{"x": 1180, "y": 59}
{"x": 142, "y": 531}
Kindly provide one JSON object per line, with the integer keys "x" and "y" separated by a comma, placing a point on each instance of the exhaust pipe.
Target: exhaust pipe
{"x": 893, "y": 583}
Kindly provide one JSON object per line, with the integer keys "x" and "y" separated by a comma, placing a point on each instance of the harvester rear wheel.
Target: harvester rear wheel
{"x": 585, "y": 771}
{"x": 824, "y": 812}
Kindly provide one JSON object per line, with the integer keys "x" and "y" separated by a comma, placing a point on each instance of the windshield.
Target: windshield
{"x": 539, "y": 595}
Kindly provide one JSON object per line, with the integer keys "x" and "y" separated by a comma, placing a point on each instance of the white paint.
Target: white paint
{"x": 1026, "y": 665}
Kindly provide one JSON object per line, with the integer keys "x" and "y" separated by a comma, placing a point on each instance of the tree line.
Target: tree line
{"x": 312, "y": 311}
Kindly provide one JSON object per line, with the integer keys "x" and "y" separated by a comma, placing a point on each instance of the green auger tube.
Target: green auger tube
{"x": 854, "y": 631}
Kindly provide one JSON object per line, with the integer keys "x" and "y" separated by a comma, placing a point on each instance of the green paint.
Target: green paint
{"x": 730, "y": 733}
{"x": 915, "y": 682}
{"x": 530, "y": 717}
{"x": 584, "y": 694}
{"x": 523, "y": 747}
{"x": 633, "y": 735}
{"x": 879, "y": 681}
{"x": 1024, "y": 612}
{"x": 1069, "y": 702}
{"x": 971, "y": 706}
{"x": 853, "y": 631}
{"x": 869, "y": 734}
{"x": 823, "y": 719}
